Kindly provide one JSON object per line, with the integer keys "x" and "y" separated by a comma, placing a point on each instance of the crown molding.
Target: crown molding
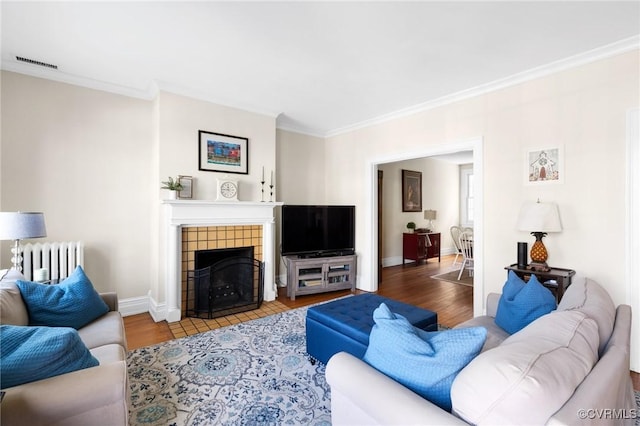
{"x": 154, "y": 88}
{"x": 149, "y": 93}
{"x": 307, "y": 131}
{"x": 207, "y": 97}
{"x": 600, "y": 53}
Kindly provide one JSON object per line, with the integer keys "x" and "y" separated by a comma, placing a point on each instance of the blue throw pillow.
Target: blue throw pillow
{"x": 72, "y": 303}
{"x": 521, "y": 303}
{"x": 31, "y": 353}
{"x": 425, "y": 362}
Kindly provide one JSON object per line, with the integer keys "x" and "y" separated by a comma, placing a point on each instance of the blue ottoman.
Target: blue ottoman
{"x": 344, "y": 325}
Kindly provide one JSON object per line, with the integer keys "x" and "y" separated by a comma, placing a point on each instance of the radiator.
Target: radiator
{"x": 58, "y": 258}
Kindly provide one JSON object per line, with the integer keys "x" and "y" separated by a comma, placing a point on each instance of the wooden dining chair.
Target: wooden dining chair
{"x": 466, "y": 246}
{"x": 455, "y": 236}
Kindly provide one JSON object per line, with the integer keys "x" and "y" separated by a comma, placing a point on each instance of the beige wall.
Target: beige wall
{"x": 82, "y": 157}
{"x": 583, "y": 109}
{"x": 301, "y": 168}
{"x": 93, "y": 162}
{"x": 180, "y": 120}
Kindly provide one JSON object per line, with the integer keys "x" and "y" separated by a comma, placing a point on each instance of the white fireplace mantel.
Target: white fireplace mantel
{"x": 183, "y": 213}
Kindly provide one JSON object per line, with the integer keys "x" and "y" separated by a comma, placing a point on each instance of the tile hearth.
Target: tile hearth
{"x": 191, "y": 326}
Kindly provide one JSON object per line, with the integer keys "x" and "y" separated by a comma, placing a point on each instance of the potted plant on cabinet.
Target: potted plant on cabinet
{"x": 173, "y": 186}
{"x": 411, "y": 226}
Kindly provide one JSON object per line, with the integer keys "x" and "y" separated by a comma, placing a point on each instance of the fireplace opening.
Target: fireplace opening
{"x": 205, "y": 258}
{"x": 224, "y": 282}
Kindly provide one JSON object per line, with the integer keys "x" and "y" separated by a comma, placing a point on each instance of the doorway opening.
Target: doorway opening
{"x": 472, "y": 147}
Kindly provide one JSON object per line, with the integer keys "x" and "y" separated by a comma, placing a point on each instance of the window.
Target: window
{"x": 466, "y": 195}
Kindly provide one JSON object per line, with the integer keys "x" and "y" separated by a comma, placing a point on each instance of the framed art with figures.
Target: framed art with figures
{"x": 411, "y": 191}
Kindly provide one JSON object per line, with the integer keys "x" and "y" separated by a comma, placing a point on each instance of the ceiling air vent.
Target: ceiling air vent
{"x": 34, "y": 62}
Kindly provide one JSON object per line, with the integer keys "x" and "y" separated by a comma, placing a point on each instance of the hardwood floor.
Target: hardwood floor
{"x": 141, "y": 330}
{"x": 409, "y": 284}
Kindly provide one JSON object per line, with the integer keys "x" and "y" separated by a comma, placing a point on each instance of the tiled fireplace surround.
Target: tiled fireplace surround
{"x": 192, "y": 225}
{"x": 196, "y": 238}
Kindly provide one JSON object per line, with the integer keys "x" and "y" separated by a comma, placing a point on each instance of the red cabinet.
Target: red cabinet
{"x": 418, "y": 246}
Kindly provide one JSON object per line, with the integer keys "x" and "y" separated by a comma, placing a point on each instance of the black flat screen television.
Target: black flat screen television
{"x": 318, "y": 231}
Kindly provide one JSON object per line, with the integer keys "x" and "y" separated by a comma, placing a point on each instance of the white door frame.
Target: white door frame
{"x": 632, "y": 242}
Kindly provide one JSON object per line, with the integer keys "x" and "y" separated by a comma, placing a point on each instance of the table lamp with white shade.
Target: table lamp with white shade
{"x": 539, "y": 219}
{"x": 16, "y": 226}
{"x": 430, "y": 215}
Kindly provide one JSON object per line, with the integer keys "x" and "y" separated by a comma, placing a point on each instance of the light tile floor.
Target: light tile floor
{"x": 190, "y": 326}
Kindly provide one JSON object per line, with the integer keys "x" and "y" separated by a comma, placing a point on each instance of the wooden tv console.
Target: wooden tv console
{"x": 320, "y": 274}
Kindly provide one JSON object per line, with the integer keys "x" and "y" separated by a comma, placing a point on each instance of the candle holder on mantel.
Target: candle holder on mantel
{"x": 262, "y": 196}
{"x": 271, "y": 196}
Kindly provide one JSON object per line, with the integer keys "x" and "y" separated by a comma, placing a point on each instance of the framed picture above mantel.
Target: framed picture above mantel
{"x": 218, "y": 152}
{"x": 411, "y": 191}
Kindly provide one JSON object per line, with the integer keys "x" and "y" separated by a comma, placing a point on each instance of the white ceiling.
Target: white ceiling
{"x": 319, "y": 67}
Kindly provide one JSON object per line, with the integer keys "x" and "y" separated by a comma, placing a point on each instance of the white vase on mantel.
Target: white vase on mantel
{"x": 173, "y": 195}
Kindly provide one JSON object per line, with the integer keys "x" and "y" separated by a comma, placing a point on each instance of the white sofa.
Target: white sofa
{"x": 570, "y": 367}
{"x": 97, "y": 395}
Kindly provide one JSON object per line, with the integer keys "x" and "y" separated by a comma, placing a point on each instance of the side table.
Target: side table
{"x": 420, "y": 245}
{"x": 556, "y": 279}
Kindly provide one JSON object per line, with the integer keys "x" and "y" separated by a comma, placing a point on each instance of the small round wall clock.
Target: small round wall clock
{"x": 227, "y": 190}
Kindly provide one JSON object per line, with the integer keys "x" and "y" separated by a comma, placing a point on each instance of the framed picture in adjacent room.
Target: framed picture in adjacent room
{"x": 411, "y": 191}
{"x": 187, "y": 187}
{"x": 545, "y": 165}
{"x": 218, "y": 152}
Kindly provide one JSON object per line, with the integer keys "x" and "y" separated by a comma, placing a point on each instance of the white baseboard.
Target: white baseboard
{"x": 158, "y": 311}
{"x": 391, "y": 261}
{"x": 140, "y": 305}
{"x": 133, "y": 305}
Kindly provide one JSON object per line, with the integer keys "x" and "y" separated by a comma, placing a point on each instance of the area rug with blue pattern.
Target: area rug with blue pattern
{"x": 251, "y": 373}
